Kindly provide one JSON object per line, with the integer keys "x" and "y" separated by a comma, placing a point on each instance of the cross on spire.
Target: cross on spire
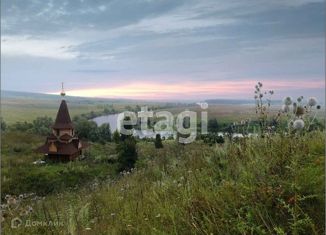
{"x": 62, "y": 90}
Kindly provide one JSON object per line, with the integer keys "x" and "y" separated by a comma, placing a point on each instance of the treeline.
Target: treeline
{"x": 41, "y": 126}
{"x": 84, "y": 128}
{"x": 106, "y": 111}
{"x": 87, "y": 129}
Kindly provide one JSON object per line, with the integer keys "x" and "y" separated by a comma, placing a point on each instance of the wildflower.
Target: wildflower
{"x": 158, "y": 216}
{"x": 146, "y": 219}
{"x": 287, "y": 100}
{"x": 23, "y": 213}
{"x": 312, "y": 101}
{"x": 11, "y": 201}
{"x": 285, "y": 108}
{"x": 129, "y": 225}
{"x": 88, "y": 228}
{"x": 30, "y": 209}
{"x": 299, "y": 111}
{"x": 298, "y": 124}
{"x": 112, "y": 214}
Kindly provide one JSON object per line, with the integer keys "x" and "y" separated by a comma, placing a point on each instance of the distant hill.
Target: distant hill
{"x": 237, "y": 101}
{"x": 5, "y": 94}
{"x": 30, "y": 95}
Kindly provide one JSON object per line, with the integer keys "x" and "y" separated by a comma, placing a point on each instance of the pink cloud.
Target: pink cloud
{"x": 191, "y": 89}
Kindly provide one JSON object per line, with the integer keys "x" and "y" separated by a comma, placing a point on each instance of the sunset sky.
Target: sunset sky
{"x": 164, "y": 49}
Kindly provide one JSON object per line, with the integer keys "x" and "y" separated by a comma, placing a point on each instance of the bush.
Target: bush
{"x": 116, "y": 136}
{"x": 127, "y": 153}
{"x": 42, "y": 125}
{"x": 87, "y": 129}
{"x": 104, "y": 132}
{"x": 3, "y": 125}
{"x": 158, "y": 141}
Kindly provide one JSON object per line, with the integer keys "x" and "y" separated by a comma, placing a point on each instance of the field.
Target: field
{"x": 19, "y": 107}
{"x": 270, "y": 184}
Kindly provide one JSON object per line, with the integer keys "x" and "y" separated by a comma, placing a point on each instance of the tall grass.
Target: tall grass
{"x": 271, "y": 185}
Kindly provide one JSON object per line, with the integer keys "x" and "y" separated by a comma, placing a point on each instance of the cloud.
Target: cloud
{"x": 36, "y": 47}
{"x": 197, "y": 41}
{"x": 189, "y": 89}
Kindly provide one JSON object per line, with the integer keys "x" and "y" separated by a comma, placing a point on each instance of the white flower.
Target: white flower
{"x": 298, "y": 124}
{"x": 312, "y": 101}
{"x": 287, "y": 100}
{"x": 285, "y": 108}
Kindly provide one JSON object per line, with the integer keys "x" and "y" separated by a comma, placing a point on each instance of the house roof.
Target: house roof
{"x": 63, "y": 120}
{"x": 65, "y": 137}
{"x": 52, "y": 137}
{"x": 62, "y": 148}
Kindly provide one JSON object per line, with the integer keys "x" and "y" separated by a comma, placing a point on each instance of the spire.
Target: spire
{"x": 62, "y": 91}
{"x": 63, "y": 120}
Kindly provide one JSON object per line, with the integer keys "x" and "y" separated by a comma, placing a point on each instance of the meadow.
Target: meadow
{"x": 270, "y": 184}
{"x": 252, "y": 186}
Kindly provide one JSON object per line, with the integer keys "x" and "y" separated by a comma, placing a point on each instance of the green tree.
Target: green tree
{"x": 3, "y": 125}
{"x": 212, "y": 125}
{"x": 42, "y": 125}
{"x": 22, "y": 126}
{"x": 116, "y": 136}
{"x": 126, "y": 148}
{"x": 105, "y": 132}
{"x": 127, "y": 153}
{"x": 87, "y": 129}
{"x": 158, "y": 141}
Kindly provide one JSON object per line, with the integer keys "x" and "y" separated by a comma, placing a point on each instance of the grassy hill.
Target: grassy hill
{"x": 273, "y": 185}
{"x": 270, "y": 184}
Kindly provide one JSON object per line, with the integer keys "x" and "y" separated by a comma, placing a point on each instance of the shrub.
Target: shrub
{"x": 116, "y": 136}
{"x": 42, "y": 125}
{"x": 127, "y": 153}
{"x": 158, "y": 141}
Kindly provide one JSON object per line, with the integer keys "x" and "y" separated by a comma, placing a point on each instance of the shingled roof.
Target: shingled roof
{"x": 63, "y": 148}
{"x": 63, "y": 120}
